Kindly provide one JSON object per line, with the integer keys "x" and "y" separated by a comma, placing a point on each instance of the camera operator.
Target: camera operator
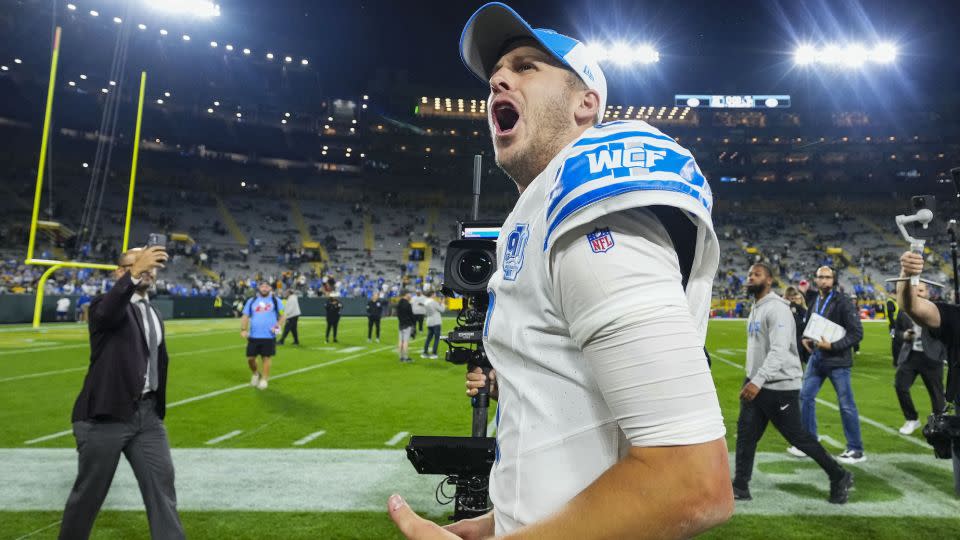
{"x": 608, "y": 421}
{"x": 921, "y": 354}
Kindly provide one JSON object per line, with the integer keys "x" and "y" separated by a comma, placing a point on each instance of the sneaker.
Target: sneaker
{"x": 796, "y": 452}
{"x": 262, "y": 385}
{"x": 368, "y": 340}
{"x": 852, "y": 456}
{"x": 909, "y": 427}
{"x": 840, "y": 488}
{"x": 741, "y": 494}
{"x": 433, "y": 357}
{"x": 378, "y": 340}
{"x": 255, "y": 380}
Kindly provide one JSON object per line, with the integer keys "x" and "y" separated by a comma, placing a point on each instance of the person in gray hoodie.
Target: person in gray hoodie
{"x": 771, "y": 391}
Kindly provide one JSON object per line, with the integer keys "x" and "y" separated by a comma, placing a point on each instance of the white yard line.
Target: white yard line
{"x": 351, "y": 349}
{"x": 42, "y": 374}
{"x": 308, "y": 438}
{"x": 397, "y": 438}
{"x": 41, "y": 529}
{"x": 231, "y": 389}
{"x": 329, "y": 480}
{"x": 71, "y": 370}
{"x": 87, "y": 345}
{"x": 833, "y": 442}
{"x": 864, "y": 419}
{"x": 224, "y": 437}
{"x": 48, "y": 437}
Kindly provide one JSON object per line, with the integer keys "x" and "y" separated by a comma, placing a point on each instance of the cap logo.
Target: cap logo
{"x": 588, "y": 73}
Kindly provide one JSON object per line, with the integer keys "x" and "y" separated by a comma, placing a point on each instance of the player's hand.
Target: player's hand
{"x": 244, "y": 334}
{"x": 911, "y": 264}
{"x": 909, "y": 335}
{"x": 476, "y": 379}
{"x": 412, "y": 526}
{"x": 749, "y": 391}
{"x": 476, "y": 528}
{"x": 148, "y": 259}
{"x": 824, "y": 345}
{"x": 807, "y": 344}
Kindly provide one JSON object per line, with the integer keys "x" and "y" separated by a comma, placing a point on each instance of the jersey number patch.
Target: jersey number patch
{"x": 513, "y": 254}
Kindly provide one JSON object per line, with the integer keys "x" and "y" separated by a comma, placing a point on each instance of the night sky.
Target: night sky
{"x": 706, "y": 46}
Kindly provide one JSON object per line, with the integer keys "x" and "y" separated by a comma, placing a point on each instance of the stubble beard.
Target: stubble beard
{"x": 547, "y": 128}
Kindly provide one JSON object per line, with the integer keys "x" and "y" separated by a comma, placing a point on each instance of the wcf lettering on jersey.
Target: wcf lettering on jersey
{"x": 636, "y": 156}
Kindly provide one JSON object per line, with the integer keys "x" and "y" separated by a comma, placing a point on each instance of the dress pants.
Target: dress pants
{"x": 143, "y": 440}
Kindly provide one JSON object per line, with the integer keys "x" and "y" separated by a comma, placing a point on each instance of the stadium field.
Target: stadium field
{"x": 317, "y": 453}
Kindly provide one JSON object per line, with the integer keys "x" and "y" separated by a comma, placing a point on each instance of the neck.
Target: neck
{"x": 825, "y": 292}
{"x": 561, "y": 142}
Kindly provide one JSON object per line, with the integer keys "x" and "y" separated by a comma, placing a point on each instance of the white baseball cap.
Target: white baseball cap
{"x": 495, "y": 24}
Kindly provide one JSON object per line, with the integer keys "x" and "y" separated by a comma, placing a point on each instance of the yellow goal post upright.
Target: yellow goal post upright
{"x": 54, "y": 265}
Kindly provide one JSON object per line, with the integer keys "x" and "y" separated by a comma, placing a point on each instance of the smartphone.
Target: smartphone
{"x": 156, "y": 239}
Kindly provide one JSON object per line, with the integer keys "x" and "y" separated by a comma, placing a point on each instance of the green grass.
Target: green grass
{"x": 363, "y": 397}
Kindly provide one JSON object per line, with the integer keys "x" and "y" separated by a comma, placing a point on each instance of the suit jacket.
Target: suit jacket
{"x": 118, "y": 358}
{"x": 934, "y": 350}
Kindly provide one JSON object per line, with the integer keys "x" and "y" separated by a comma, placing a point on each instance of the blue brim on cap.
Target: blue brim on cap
{"x": 495, "y": 24}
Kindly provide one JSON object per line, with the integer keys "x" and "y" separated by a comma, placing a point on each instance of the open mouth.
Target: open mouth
{"x": 505, "y": 117}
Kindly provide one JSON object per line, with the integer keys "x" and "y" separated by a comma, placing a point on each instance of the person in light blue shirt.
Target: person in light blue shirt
{"x": 260, "y": 324}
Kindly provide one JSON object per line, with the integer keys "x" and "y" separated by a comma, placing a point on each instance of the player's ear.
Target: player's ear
{"x": 588, "y": 105}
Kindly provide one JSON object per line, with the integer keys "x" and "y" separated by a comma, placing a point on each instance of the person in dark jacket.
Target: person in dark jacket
{"x": 334, "y": 307}
{"x": 406, "y": 320}
{"x": 833, "y": 361}
{"x": 375, "y": 308}
{"x": 896, "y": 340}
{"x": 123, "y": 401}
{"x": 798, "y": 307}
{"x": 921, "y": 354}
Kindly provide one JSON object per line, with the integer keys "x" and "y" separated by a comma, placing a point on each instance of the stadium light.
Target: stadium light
{"x": 186, "y": 37}
{"x": 229, "y": 47}
{"x": 72, "y": 83}
{"x": 4, "y": 68}
{"x": 269, "y": 56}
{"x": 213, "y": 44}
{"x": 117, "y": 20}
{"x": 210, "y": 110}
{"x": 304, "y": 62}
{"x": 216, "y": 103}
{"x": 104, "y": 90}
{"x": 286, "y": 114}
{"x": 196, "y": 8}
{"x": 284, "y": 121}
{"x": 17, "y": 61}
{"x": 113, "y": 83}
{"x": 94, "y": 13}
{"x": 82, "y": 76}
{"x": 166, "y": 94}
{"x": 851, "y": 55}
{"x": 246, "y": 51}
{"x": 142, "y": 26}
{"x": 287, "y": 59}
{"x": 71, "y": 7}
{"x": 85, "y": 164}
{"x": 239, "y": 115}
{"x": 624, "y": 54}
{"x": 159, "y": 101}
{"x": 163, "y": 32}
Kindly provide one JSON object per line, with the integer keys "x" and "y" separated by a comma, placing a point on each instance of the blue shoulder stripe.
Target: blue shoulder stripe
{"x": 677, "y": 186}
{"x": 620, "y": 161}
{"x": 621, "y": 136}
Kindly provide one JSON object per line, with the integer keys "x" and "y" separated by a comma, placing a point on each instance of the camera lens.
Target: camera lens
{"x": 474, "y": 267}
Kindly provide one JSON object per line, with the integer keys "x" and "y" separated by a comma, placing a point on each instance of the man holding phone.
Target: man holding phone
{"x": 123, "y": 401}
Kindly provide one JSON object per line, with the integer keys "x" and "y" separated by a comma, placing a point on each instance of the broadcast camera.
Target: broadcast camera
{"x": 465, "y": 461}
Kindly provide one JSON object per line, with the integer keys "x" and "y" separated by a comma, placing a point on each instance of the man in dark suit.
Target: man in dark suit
{"x": 121, "y": 406}
{"x": 921, "y": 354}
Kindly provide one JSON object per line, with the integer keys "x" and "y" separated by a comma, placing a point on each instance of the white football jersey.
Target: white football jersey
{"x": 557, "y": 428}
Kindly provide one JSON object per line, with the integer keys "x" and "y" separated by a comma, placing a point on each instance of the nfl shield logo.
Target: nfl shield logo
{"x": 601, "y": 240}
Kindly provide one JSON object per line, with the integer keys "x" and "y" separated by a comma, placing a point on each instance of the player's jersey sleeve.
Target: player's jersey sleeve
{"x": 248, "y": 308}
{"x": 623, "y": 165}
{"x": 626, "y": 308}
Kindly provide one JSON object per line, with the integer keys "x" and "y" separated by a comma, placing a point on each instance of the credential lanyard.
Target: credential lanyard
{"x": 820, "y": 309}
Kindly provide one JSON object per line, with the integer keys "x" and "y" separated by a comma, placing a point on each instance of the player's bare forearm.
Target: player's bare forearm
{"x": 244, "y": 323}
{"x": 921, "y": 310}
{"x": 656, "y": 492}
